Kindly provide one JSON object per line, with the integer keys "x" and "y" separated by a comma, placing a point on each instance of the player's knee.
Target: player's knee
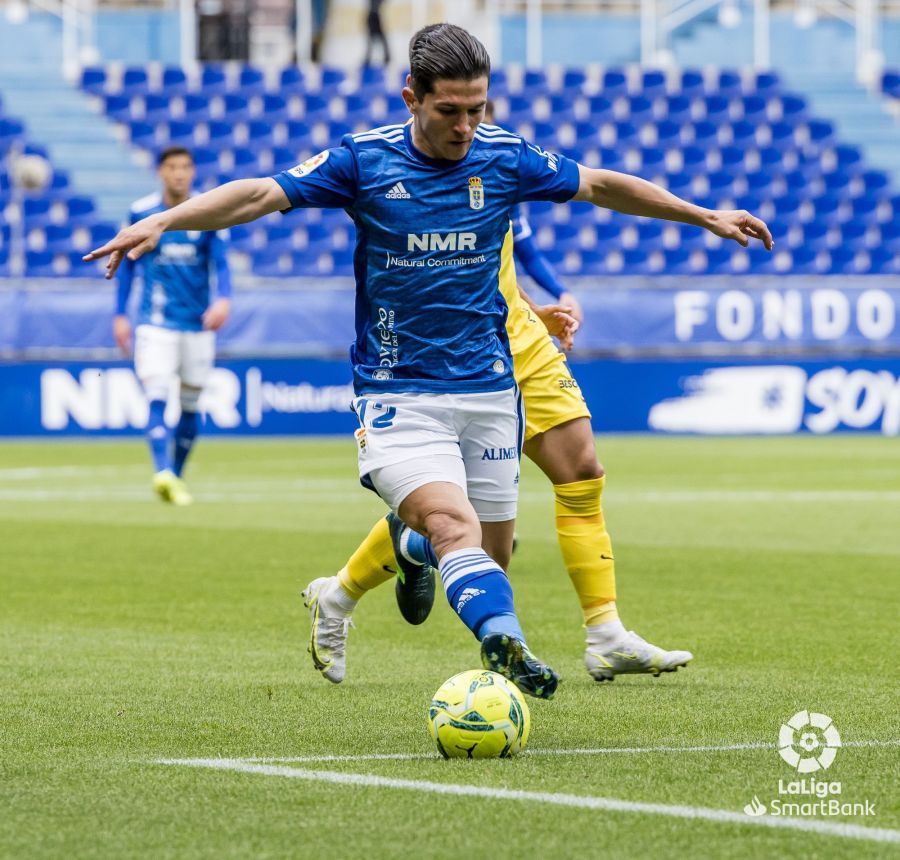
{"x": 586, "y": 466}
{"x": 190, "y": 398}
{"x": 451, "y": 528}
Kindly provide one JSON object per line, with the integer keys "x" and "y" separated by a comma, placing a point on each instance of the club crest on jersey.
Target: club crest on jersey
{"x": 476, "y": 193}
{"x": 309, "y": 165}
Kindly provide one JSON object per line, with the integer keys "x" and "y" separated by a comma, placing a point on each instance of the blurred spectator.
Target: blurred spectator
{"x": 376, "y": 32}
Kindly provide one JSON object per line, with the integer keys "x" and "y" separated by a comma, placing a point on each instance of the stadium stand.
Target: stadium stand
{"x": 725, "y": 138}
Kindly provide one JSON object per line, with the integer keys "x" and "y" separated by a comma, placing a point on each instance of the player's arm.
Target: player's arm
{"x": 635, "y": 196}
{"x": 233, "y": 203}
{"x": 216, "y": 315}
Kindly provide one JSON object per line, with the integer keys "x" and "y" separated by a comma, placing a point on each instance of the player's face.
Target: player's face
{"x": 177, "y": 176}
{"x": 444, "y": 122}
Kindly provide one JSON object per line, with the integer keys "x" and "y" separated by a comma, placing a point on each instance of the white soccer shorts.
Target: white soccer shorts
{"x": 161, "y": 353}
{"x": 472, "y": 440}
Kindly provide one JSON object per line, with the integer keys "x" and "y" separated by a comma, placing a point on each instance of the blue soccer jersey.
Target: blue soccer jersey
{"x": 176, "y": 274}
{"x": 429, "y": 313}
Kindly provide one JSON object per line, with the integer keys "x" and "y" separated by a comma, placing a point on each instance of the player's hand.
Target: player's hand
{"x": 122, "y": 333}
{"x": 135, "y": 241}
{"x": 574, "y": 306}
{"x": 740, "y": 226}
{"x": 560, "y": 323}
{"x": 216, "y": 315}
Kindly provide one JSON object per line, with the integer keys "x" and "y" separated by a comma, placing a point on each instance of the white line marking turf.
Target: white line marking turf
{"x": 611, "y": 804}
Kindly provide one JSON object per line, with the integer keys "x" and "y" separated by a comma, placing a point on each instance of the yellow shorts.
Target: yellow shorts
{"x": 551, "y": 394}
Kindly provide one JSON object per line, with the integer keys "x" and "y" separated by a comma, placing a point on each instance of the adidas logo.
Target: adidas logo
{"x": 398, "y": 192}
{"x": 467, "y": 595}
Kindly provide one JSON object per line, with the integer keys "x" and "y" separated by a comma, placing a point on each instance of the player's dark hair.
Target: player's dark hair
{"x": 445, "y": 52}
{"x": 171, "y": 152}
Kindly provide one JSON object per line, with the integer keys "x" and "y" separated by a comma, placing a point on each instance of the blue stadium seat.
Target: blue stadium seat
{"x": 705, "y": 135}
{"x": 640, "y": 109}
{"x": 815, "y": 236}
{"x": 615, "y": 83}
{"x": 283, "y": 158}
{"x": 42, "y": 264}
{"x": 854, "y": 235}
{"x": 767, "y": 84}
{"x": 668, "y": 134}
{"x": 251, "y": 81}
{"x": 259, "y": 134}
{"x": 342, "y": 262}
{"x": 759, "y": 183}
{"x": 174, "y": 82}
{"x": 213, "y": 81}
{"x": 142, "y": 134}
{"x": 678, "y": 261}
{"x": 653, "y": 162}
{"x": 332, "y": 79}
{"x": 573, "y": 79}
{"x": 545, "y": 136}
{"x": 93, "y": 80}
{"x": 782, "y": 136}
{"x": 755, "y": 109}
{"x": 793, "y": 109}
{"x": 890, "y": 83}
{"x": 299, "y": 134}
{"x": 534, "y": 83}
{"x": 627, "y": 134}
{"x": 134, "y": 81}
{"x": 837, "y": 182}
{"x": 58, "y": 238}
{"x": 316, "y": 108}
{"x": 291, "y": 81}
{"x": 565, "y": 238}
{"x": 692, "y": 83}
{"x": 650, "y": 235}
{"x": 12, "y": 131}
{"x": 883, "y": 261}
{"x": 653, "y": 83}
{"x": 117, "y": 107}
{"x": 729, "y": 83}
{"x": 807, "y": 261}
{"x": 196, "y": 108}
{"x": 679, "y": 184}
{"x": 562, "y": 108}
{"x": 678, "y": 109}
{"x": 890, "y": 235}
{"x": 81, "y": 211}
{"x": 865, "y": 208}
{"x": 721, "y": 182}
{"x": 337, "y": 128}
{"x": 610, "y": 158}
{"x": 691, "y": 238}
{"x": 821, "y": 132}
{"x": 157, "y": 108}
{"x": 358, "y": 107}
{"x": 237, "y": 107}
{"x": 717, "y": 109}
{"x": 246, "y": 163}
{"x": 876, "y": 183}
{"x": 180, "y": 133}
{"x": 101, "y": 233}
{"x": 274, "y": 108}
{"x": 601, "y": 109}
{"x": 760, "y": 261}
{"x": 732, "y": 158}
{"x": 36, "y": 212}
{"x": 743, "y": 133}
{"x": 637, "y": 261}
{"x": 221, "y": 135}
{"x": 693, "y": 160}
{"x": 718, "y": 260}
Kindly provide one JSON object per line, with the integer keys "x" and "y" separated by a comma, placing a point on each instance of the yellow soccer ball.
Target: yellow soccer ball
{"x": 479, "y": 714}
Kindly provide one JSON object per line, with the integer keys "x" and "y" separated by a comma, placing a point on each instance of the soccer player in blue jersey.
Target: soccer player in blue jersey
{"x": 175, "y": 334}
{"x": 440, "y": 428}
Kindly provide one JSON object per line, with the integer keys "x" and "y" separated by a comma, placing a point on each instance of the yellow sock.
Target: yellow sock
{"x": 586, "y": 548}
{"x": 372, "y": 564}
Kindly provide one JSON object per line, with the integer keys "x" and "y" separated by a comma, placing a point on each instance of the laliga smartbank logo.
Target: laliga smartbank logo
{"x": 808, "y": 742}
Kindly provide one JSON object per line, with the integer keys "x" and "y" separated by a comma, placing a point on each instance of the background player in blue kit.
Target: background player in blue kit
{"x": 176, "y": 322}
{"x": 439, "y": 432}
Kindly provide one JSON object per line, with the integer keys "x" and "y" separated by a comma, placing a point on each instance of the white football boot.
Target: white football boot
{"x": 328, "y": 627}
{"x": 632, "y": 655}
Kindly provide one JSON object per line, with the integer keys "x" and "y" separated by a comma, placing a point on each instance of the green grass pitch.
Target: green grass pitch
{"x": 131, "y": 632}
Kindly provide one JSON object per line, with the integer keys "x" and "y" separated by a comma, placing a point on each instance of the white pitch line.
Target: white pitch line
{"x": 531, "y": 753}
{"x": 611, "y": 804}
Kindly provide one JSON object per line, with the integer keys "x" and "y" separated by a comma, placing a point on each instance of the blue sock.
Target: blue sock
{"x": 480, "y": 593}
{"x": 418, "y": 548}
{"x": 158, "y": 436}
{"x": 185, "y": 433}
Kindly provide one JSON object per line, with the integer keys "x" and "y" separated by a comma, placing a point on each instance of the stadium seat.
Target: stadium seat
{"x": 692, "y": 83}
{"x": 93, "y": 80}
{"x": 615, "y": 83}
{"x": 653, "y": 84}
{"x": 134, "y": 81}
{"x": 572, "y": 80}
{"x": 291, "y": 81}
{"x": 729, "y": 83}
{"x": 883, "y": 261}
{"x": 12, "y": 131}
{"x": 705, "y": 135}
{"x": 174, "y": 82}
{"x": 890, "y": 83}
{"x": 251, "y": 81}
{"x": 754, "y": 109}
{"x": 180, "y": 133}
{"x": 81, "y": 211}
{"x": 716, "y": 109}
{"x": 221, "y": 135}
{"x": 117, "y": 107}
{"x": 601, "y": 109}
{"x": 36, "y": 212}
{"x": 213, "y": 81}
{"x": 767, "y": 84}
{"x": 678, "y": 261}
{"x": 58, "y": 238}
{"x": 196, "y": 108}
{"x": 793, "y": 109}
{"x": 678, "y": 108}
{"x": 534, "y": 83}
